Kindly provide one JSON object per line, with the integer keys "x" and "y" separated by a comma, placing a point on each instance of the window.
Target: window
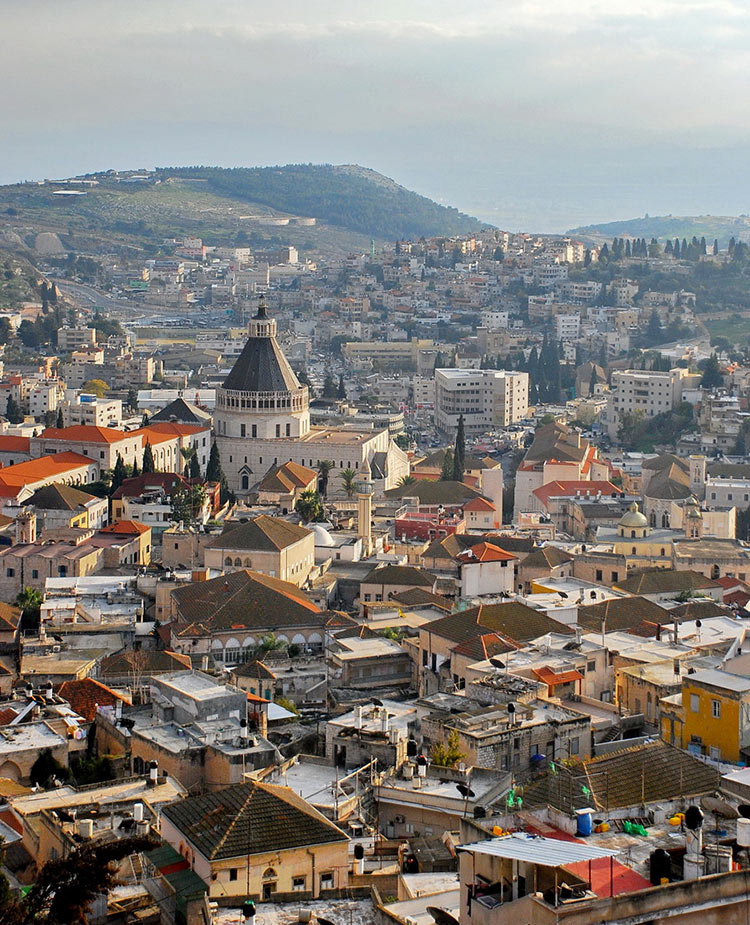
{"x": 254, "y": 430}
{"x": 278, "y": 430}
{"x": 101, "y": 454}
{"x": 695, "y": 703}
{"x": 591, "y": 666}
{"x": 615, "y": 576}
{"x": 243, "y": 430}
{"x": 574, "y": 746}
{"x": 716, "y": 709}
{"x": 326, "y": 879}
{"x": 298, "y": 884}
{"x": 714, "y": 753}
{"x": 599, "y": 575}
{"x": 10, "y": 572}
{"x": 233, "y": 873}
{"x": 35, "y": 573}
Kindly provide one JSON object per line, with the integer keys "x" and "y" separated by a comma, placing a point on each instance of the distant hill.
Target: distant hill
{"x": 662, "y": 227}
{"x": 347, "y": 196}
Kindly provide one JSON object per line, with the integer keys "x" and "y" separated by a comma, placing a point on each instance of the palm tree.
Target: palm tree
{"x": 324, "y": 468}
{"x": 309, "y": 506}
{"x": 349, "y": 478}
{"x": 30, "y": 602}
{"x": 406, "y": 480}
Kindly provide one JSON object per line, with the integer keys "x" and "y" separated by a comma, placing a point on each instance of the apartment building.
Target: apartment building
{"x": 649, "y": 391}
{"x": 70, "y": 339}
{"x": 487, "y": 399}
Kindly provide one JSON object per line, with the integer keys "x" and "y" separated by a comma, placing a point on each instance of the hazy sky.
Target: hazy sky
{"x": 532, "y": 114}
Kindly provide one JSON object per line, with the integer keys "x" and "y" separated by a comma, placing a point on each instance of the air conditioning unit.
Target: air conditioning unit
{"x": 399, "y": 820}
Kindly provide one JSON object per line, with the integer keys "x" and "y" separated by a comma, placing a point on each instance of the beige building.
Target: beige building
{"x": 263, "y": 839}
{"x": 650, "y": 392}
{"x": 264, "y": 544}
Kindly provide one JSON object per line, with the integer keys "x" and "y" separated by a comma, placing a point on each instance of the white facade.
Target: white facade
{"x": 487, "y": 399}
{"x": 651, "y": 392}
{"x": 568, "y": 326}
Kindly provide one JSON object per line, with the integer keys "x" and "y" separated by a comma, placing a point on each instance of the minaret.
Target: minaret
{"x": 364, "y": 509}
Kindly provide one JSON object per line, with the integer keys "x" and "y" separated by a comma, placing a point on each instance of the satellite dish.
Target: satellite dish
{"x": 359, "y": 851}
{"x": 375, "y": 702}
{"x": 465, "y": 791}
{"x": 511, "y": 708}
{"x": 693, "y": 817}
{"x": 498, "y": 663}
{"x": 440, "y": 916}
{"x": 563, "y": 595}
{"x": 744, "y": 810}
{"x": 323, "y": 921}
{"x": 719, "y": 807}
{"x": 698, "y": 624}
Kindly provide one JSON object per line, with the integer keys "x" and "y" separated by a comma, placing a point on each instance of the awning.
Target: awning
{"x": 536, "y": 849}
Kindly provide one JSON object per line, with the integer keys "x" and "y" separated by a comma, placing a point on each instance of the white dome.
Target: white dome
{"x": 322, "y": 536}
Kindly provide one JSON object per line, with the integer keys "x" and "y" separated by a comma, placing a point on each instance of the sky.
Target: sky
{"x": 531, "y": 114}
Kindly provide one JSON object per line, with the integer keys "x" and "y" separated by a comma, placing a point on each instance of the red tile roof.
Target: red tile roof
{"x": 569, "y": 488}
{"x": 84, "y": 695}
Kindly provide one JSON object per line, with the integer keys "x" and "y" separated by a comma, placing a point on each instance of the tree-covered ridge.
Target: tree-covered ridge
{"x": 348, "y": 196}
{"x": 663, "y": 227}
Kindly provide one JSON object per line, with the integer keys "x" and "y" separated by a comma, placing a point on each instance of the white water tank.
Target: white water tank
{"x": 138, "y": 812}
{"x": 743, "y": 833}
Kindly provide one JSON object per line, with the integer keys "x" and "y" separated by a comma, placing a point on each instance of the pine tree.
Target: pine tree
{"x": 459, "y": 454}
{"x": 13, "y": 411}
{"x": 653, "y": 332}
{"x": 341, "y": 391}
{"x": 148, "y": 460}
{"x": 712, "y": 377}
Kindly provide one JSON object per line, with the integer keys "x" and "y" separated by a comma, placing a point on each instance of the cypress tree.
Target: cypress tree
{"x": 669, "y": 249}
{"x": 446, "y": 473}
{"x": 716, "y": 246}
{"x": 135, "y": 471}
{"x": 628, "y": 249}
{"x": 118, "y": 474}
{"x": 195, "y": 467}
{"x": 341, "y": 391}
{"x": 459, "y": 453}
{"x": 60, "y": 419}
{"x": 148, "y": 460}
{"x": 677, "y": 248}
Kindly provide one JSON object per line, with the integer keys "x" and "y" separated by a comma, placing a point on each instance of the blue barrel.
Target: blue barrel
{"x": 584, "y": 818}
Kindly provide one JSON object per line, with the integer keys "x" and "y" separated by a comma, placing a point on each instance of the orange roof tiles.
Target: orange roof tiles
{"x": 11, "y": 444}
{"x": 485, "y": 552}
{"x": 126, "y": 527}
{"x": 33, "y": 470}
{"x": 552, "y": 678}
{"x": 173, "y": 429}
{"x": 86, "y": 433}
{"x": 479, "y": 504}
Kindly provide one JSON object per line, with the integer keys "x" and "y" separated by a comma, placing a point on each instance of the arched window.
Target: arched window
{"x": 269, "y": 874}
{"x": 228, "y": 560}
{"x": 715, "y": 571}
{"x": 662, "y": 551}
{"x": 632, "y": 534}
{"x": 238, "y": 562}
{"x": 245, "y": 482}
{"x": 653, "y": 518}
{"x": 635, "y": 552}
{"x": 665, "y": 520}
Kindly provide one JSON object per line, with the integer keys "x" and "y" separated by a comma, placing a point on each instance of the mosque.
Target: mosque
{"x": 262, "y": 419}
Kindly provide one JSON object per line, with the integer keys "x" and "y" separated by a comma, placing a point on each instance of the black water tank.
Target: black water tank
{"x": 660, "y": 866}
{"x": 693, "y": 817}
{"x": 359, "y": 852}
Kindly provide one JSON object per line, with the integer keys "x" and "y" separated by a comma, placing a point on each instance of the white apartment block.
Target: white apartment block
{"x": 495, "y": 320}
{"x": 568, "y": 326}
{"x": 649, "y": 391}
{"x": 88, "y": 409}
{"x": 487, "y": 398}
{"x": 45, "y": 396}
{"x": 725, "y": 493}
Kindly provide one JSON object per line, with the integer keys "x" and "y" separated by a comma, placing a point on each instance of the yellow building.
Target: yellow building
{"x": 262, "y": 839}
{"x": 641, "y": 545}
{"x": 713, "y": 717}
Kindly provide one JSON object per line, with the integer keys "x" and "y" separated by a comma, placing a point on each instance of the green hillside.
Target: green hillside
{"x": 347, "y": 196}
{"x": 661, "y": 227}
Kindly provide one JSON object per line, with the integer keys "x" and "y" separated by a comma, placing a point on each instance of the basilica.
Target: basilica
{"x": 262, "y": 420}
